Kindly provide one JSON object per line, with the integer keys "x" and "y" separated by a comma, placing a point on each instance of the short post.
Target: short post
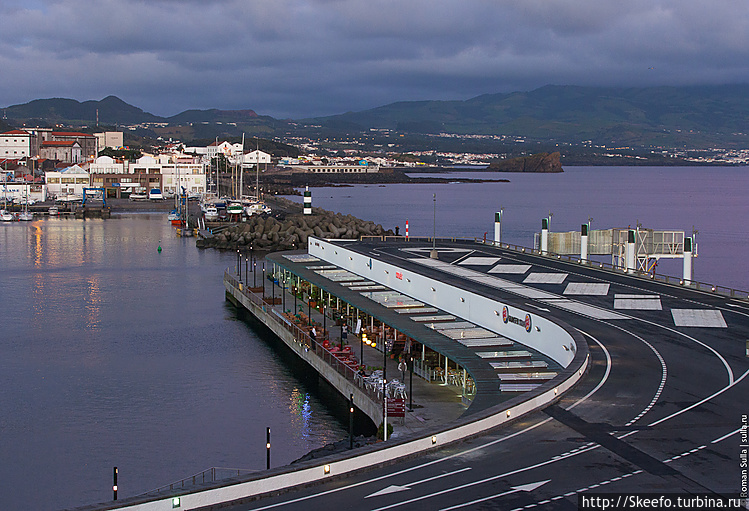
{"x": 687, "y": 270}
{"x": 267, "y": 448}
{"x": 584, "y": 242}
{"x": 351, "y": 421}
{"x": 114, "y": 484}
{"x": 544, "y": 236}
{"x": 630, "y": 255}
{"x": 498, "y": 227}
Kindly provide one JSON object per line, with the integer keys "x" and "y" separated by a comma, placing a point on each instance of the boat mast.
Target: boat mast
{"x": 241, "y": 169}
{"x": 257, "y": 169}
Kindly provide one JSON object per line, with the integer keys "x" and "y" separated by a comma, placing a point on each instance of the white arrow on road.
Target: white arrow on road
{"x": 515, "y": 489}
{"x": 394, "y": 488}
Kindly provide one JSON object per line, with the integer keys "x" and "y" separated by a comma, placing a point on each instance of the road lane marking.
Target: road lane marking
{"x": 698, "y": 403}
{"x": 515, "y": 489}
{"x": 396, "y": 488}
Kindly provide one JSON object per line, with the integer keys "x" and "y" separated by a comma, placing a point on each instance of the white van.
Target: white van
{"x": 155, "y": 194}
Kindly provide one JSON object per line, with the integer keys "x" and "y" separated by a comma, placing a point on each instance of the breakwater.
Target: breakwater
{"x": 290, "y": 229}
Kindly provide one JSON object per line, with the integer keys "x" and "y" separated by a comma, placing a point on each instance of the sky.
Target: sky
{"x": 305, "y": 58}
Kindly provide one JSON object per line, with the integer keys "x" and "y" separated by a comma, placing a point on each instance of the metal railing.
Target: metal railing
{"x": 665, "y": 279}
{"x": 209, "y": 475}
{"x": 302, "y": 337}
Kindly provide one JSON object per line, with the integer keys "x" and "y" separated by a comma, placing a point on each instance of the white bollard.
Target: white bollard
{"x": 630, "y": 257}
{"x": 497, "y": 227}
{"x": 687, "y": 273}
{"x": 307, "y": 201}
{"x": 584, "y": 242}
{"x": 544, "y": 235}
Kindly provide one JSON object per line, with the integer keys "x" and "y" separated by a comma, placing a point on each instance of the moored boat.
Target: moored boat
{"x": 210, "y": 213}
{"x": 53, "y": 211}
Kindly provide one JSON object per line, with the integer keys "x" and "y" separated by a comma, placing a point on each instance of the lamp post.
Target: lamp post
{"x": 263, "y": 280}
{"x": 351, "y": 421}
{"x": 246, "y": 270}
{"x": 384, "y": 390}
{"x": 411, "y": 384}
{"x": 323, "y": 322}
{"x": 433, "y": 254}
{"x": 254, "y": 274}
{"x": 239, "y": 270}
{"x": 283, "y": 292}
{"x": 362, "y": 340}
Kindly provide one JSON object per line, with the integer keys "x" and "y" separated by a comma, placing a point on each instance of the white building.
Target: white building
{"x": 255, "y": 157}
{"x": 189, "y": 177}
{"x": 107, "y": 165}
{"x": 69, "y": 181}
{"x": 113, "y": 139}
{"x": 15, "y": 144}
{"x": 216, "y": 148}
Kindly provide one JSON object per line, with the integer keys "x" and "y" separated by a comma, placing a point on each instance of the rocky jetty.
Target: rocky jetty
{"x": 541, "y": 162}
{"x": 289, "y": 231}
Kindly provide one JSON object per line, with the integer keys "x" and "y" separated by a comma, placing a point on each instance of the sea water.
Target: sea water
{"x": 709, "y": 200}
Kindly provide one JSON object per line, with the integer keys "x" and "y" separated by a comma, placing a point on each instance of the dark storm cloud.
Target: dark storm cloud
{"x": 297, "y": 58}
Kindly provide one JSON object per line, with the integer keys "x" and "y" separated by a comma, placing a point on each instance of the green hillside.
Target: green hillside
{"x": 695, "y": 116}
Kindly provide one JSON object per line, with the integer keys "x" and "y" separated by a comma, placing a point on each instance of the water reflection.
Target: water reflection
{"x": 117, "y": 354}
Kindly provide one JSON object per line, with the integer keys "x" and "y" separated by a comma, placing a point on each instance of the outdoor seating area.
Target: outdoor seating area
{"x": 394, "y": 389}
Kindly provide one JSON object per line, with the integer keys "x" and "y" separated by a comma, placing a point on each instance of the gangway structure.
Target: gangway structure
{"x": 632, "y": 249}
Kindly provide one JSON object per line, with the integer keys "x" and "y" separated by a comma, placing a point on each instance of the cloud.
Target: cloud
{"x": 298, "y": 58}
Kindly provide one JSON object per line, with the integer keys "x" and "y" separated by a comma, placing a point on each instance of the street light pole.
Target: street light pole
{"x": 384, "y": 389}
{"x": 433, "y": 254}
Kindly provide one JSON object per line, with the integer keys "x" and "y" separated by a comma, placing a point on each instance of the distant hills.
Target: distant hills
{"x": 626, "y": 116}
{"x": 695, "y": 117}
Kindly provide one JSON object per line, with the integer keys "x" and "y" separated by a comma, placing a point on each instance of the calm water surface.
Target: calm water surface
{"x": 113, "y": 354}
{"x": 712, "y": 200}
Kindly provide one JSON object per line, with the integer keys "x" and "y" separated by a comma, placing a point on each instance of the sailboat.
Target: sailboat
{"x": 5, "y": 215}
{"x": 25, "y": 215}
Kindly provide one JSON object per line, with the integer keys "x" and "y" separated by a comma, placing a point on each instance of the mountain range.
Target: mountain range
{"x": 696, "y": 116}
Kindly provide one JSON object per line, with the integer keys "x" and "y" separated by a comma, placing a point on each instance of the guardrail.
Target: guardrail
{"x": 199, "y": 478}
{"x": 303, "y": 339}
{"x": 664, "y": 279}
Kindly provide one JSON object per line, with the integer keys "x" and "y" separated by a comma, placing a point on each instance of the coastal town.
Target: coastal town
{"x": 40, "y": 165}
